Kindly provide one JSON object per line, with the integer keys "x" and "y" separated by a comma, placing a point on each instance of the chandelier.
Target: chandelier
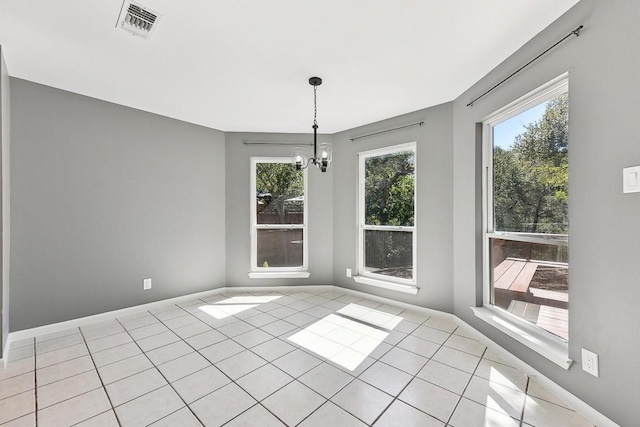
{"x": 321, "y": 152}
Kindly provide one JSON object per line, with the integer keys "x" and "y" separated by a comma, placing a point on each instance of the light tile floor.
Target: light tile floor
{"x": 271, "y": 359}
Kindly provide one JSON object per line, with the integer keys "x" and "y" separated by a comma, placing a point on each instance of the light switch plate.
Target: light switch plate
{"x": 631, "y": 179}
{"x": 146, "y": 284}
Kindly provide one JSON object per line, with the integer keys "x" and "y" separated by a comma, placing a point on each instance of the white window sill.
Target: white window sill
{"x": 544, "y": 343}
{"x": 280, "y": 275}
{"x": 408, "y": 289}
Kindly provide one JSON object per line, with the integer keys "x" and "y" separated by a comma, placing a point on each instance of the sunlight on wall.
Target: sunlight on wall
{"x": 348, "y": 338}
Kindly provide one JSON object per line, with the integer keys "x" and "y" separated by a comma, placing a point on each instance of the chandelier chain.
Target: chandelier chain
{"x": 315, "y": 107}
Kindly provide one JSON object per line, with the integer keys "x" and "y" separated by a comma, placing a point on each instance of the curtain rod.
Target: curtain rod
{"x": 575, "y": 32}
{"x": 276, "y": 143}
{"x": 387, "y": 130}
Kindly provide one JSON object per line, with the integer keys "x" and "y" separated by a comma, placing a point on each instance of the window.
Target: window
{"x": 278, "y": 218}
{"x": 387, "y": 217}
{"x": 526, "y": 239}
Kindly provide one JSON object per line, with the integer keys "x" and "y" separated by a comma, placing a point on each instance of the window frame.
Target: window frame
{"x": 379, "y": 280}
{"x": 277, "y": 272}
{"x": 535, "y": 337}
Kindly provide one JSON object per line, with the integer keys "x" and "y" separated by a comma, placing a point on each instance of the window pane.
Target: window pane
{"x": 279, "y": 194}
{"x": 389, "y": 253}
{"x": 280, "y": 248}
{"x": 530, "y": 280}
{"x": 530, "y": 170}
{"x": 389, "y": 189}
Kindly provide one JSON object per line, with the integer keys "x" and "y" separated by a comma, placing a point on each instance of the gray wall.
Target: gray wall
{"x": 6, "y": 236}
{"x": 104, "y": 196}
{"x": 320, "y": 209}
{"x": 604, "y": 83}
{"x": 434, "y": 202}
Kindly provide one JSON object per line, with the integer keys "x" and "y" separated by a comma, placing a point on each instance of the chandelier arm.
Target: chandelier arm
{"x": 307, "y": 165}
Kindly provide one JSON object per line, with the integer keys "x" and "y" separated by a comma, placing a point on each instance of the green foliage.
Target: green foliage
{"x": 282, "y": 181}
{"x": 389, "y": 200}
{"x": 389, "y": 189}
{"x": 531, "y": 179}
{"x": 279, "y": 179}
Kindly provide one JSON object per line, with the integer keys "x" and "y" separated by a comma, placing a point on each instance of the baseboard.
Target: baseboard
{"x": 574, "y": 402}
{"x": 429, "y": 311}
{"x": 571, "y": 400}
{"x": 5, "y": 352}
{"x": 109, "y": 315}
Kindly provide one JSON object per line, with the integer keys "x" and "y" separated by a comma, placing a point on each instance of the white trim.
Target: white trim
{"x": 536, "y": 338}
{"x": 533, "y": 336}
{"x": 568, "y": 398}
{"x": 406, "y": 228}
{"x": 379, "y": 280}
{"x": 254, "y": 270}
{"x": 391, "y": 149}
{"x": 408, "y": 289}
{"x": 279, "y": 275}
{"x": 406, "y": 306}
{"x": 283, "y": 288}
{"x": 279, "y": 226}
{"x": 546, "y": 92}
{"x": 574, "y": 402}
{"x": 5, "y": 352}
{"x": 543, "y": 239}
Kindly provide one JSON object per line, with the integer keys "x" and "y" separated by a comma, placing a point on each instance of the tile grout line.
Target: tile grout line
{"x": 352, "y": 379}
{"x": 524, "y": 406}
{"x": 94, "y": 416}
{"x": 326, "y": 399}
{"x": 100, "y": 378}
{"x": 68, "y": 360}
{"x": 165, "y": 378}
{"x": 259, "y": 402}
{"x": 371, "y": 385}
{"x": 213, "y": 365}
{"x": 35, "y": 381}
{"x": 416, "y": 375}
{"x": 395, "y": 398}
{"x": 466, "y": 386}
{"x": 306, "y": 372}
{"x": 356, "y": 377}
{"x": 525, "y": 391}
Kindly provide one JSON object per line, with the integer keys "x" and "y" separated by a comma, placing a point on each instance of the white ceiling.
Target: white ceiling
{"x": 243, "y": 65}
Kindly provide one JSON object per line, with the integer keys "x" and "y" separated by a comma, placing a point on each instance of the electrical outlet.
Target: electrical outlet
{"x": 348, "y": 272}
{"x": 146, "y": 284}
{"x": 590, "y": 362}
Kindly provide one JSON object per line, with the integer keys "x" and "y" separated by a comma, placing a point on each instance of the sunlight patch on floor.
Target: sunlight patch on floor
{"x": 347, "y": 339}
{"x": 234, "y": 305}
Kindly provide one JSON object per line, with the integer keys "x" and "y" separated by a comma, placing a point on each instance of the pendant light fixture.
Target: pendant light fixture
{"x": 321, "y": 152}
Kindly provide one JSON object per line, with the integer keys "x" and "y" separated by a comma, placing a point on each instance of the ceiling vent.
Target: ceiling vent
{"x": 138, "y": 20}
